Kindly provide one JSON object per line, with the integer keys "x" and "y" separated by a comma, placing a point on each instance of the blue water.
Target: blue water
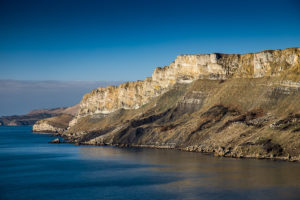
{"x": 31, "y": 168}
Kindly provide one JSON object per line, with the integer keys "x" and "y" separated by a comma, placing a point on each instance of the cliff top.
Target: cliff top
{"x": 190, "y": 67}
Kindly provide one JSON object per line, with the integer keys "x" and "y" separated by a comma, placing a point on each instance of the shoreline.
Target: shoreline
{"x": 185, "y": 149}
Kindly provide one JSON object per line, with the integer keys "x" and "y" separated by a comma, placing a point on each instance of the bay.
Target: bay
{"x": 31, "y": 168}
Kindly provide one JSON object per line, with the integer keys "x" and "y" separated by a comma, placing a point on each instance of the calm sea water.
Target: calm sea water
{"x": 30, "y": 168}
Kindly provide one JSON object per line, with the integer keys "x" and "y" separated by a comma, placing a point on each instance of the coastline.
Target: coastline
{"x": 211, "y": 152}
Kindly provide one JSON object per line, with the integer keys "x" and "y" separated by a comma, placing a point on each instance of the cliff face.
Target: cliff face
{"x": 185, "y": 69}
{"x": 230, "y": 105}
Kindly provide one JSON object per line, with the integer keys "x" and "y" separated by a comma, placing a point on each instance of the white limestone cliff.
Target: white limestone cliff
{"x": 185, "y": 69}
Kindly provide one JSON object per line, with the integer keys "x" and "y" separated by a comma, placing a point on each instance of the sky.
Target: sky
{"x": 112, "y": 40}
{"x": 123, "y": 40}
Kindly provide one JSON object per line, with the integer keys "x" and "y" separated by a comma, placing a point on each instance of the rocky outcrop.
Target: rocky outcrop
{"x": 44, "y": 127}
{"x": 57, "y": 124}
{"x": 56, "y": 140}
{"x": 185, "y": 69}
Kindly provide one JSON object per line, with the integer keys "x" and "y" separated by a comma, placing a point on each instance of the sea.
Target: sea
{"x": 33, "y": 169}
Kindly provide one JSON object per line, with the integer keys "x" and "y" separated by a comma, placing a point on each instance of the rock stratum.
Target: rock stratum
{"x": 227, "y": 104}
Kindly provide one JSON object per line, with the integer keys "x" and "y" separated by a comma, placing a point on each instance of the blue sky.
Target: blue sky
{"x": 125, "y": 40}
{"x": 118, "y": 40}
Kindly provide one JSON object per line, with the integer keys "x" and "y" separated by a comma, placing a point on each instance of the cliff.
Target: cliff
{"x": 185, "y": 69}
{"x": 230, "y": 105}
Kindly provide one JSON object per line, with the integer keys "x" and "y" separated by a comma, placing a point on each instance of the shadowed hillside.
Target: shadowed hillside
{"x": 238, "y": 117}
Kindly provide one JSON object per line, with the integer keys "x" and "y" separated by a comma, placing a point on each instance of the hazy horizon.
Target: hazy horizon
{"x": 112, "y": 40}
{"x": 21, "y": 96}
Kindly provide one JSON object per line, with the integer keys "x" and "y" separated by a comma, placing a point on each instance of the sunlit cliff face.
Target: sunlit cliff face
{"x": 185, "y": 69}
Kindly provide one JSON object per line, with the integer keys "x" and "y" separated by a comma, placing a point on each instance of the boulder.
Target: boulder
{"x": 56, "y": 140}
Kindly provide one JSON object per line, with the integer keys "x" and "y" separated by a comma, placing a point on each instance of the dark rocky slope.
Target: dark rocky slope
{"x": 255, "y": 118}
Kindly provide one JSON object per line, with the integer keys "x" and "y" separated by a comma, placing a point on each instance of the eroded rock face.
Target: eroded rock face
{"x": 185, "y": 69}
{"x": 43, "y": 126}
{"x": 57, "y": 124}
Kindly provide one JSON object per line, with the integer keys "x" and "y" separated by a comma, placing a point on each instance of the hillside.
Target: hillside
{"x": 35, "y": 115}
{"x": 230, "y": 105}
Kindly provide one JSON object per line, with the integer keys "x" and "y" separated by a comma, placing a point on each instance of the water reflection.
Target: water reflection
{"x": 31, "y": 168}
{"x": 198, "y": 170}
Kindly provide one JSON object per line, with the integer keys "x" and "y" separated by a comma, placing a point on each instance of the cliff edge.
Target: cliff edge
{"x": 185, "y": 69}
